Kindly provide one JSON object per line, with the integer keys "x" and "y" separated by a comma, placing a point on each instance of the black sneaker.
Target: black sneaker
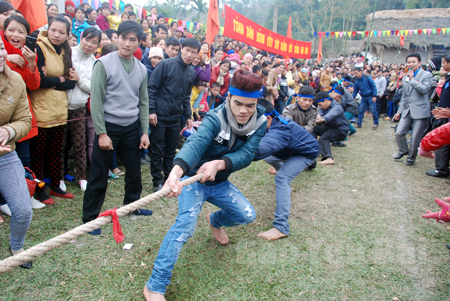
{"x": 436, "y": 173}
{"x": 157, "y": 188}
{"x": 146, "y": 158}
{"x": 144, "y": 212}
{"x": 339, "y": 144}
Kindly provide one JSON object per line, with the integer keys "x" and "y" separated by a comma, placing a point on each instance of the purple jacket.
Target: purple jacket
{"x": 102, "y": 22}
{"x": 203, "y": 74}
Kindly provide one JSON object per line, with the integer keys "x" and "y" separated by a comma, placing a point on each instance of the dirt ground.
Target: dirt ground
{"x": 356, "y": 234}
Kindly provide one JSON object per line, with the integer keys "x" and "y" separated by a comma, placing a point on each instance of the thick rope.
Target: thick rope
{"x": 9, "y": 263}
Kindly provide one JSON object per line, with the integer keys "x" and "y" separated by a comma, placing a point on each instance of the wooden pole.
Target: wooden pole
{"x": 368, "y": 40}
{"x": 275, "y": 19}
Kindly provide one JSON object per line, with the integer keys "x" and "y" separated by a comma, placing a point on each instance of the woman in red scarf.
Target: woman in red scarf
{"x": 70, "y": 8}
{"x": 23, "y": 61}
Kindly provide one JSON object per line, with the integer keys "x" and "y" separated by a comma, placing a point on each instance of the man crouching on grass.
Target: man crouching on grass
{"x": 290, "y": 149}
{"x": 224, "y": 143}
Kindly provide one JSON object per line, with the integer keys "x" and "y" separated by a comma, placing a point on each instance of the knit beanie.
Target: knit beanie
{"x": 159, "y": 17}
{"x": 435, "y": 63}
{"x": 156, "y": 51}
{"x": 248, "y": 55}
{"x": 67, "y": 3}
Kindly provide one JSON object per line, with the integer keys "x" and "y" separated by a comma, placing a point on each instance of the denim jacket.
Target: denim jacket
{"x": 211, "y": 142}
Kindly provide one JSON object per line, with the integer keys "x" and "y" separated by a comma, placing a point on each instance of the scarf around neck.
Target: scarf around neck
{"x": 236, "y": 128}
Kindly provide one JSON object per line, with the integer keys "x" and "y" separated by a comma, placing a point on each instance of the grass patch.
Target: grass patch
{"x": 356, "y": 234}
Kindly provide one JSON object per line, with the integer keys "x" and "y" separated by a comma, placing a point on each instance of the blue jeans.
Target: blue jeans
{"x": 14, "y": 189}
{"x": 236, "y": 210}
{"x": 287, "y": 171}
{"x": 367, "y": 102}
{"x": 349, "y": 116}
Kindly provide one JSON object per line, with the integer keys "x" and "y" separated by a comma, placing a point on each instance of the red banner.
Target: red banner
{"x": 246, "y": 31}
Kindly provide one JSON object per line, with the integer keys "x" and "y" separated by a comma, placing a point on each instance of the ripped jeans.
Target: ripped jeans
{"x": 236, "y": 210}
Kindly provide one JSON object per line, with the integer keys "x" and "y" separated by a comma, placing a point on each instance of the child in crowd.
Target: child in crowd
{"x": 73, "y": 40}
{"x": 114, "y": 19}
{"x": 290, "y": 149}
{"x": 303, "y": 112}
{"x": 214, "y": 97}
{"x": 196, "y": 96}
{"x": 335, "y": 126}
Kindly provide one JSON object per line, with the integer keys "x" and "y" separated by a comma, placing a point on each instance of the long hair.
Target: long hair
{"x": 67, "y": 59}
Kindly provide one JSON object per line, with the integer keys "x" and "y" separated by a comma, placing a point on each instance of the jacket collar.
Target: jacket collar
{"x": 4, "y": 77}
{"x": 180, "y": 61}
{"x": 43, "y": 37}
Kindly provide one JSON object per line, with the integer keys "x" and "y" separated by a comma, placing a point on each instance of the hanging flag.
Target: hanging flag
{"x": 33, "y": 11}
{"x": 341, "y": 34}
{"x": 402, "y": 38}
{"x": 434, "y": 30}
{"x": 332, "y": 34}
{"x": 424, "y": 31}
{"x": 353, "y": 33}
{"x": 319, "y": 50}
{"x": 139, "y": 9}
{"x": 443, "y": 30}
{"x": 379, "y": 33}
{"x": 122, "y": 6}
{"x": 420, "y": 31}
{"x": 336, "y": 34}
{"x": 117, "y": 3}
{"x": 289, "y": 30}
{"x": 401, "y": 32}
{"x": 388, "y": 33}
{"x": 397, "y": 32}
{"x": 327, "y": 33}
{"x": 439, "y": 30}
{"x": 363, "y": 34}
{"x": 410, "y": 32}
{"x": 367, "y": 33}
{"x": 406, "y": 33}
{"x": 144, "y": 12}
{"x": 375, "y": 33}
{"x": 384, "y": 33}
{"x": 110, "y": 4}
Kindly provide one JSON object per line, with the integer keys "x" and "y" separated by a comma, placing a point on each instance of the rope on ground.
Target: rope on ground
{"x": 9, "y": 263}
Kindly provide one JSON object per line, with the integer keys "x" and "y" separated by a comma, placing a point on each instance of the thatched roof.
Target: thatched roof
{"x": 410, "y": 19}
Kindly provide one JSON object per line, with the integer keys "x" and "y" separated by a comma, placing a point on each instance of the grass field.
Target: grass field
{"x": 356, "y": 234}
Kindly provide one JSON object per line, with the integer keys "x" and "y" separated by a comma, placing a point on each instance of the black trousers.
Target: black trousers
{"x": 381, "y": 105}
{"x": 126, "y": 140}
{"x": 326, "y": 137}
{"x": 442, "y": 155}
{"x": 164, "y": 138}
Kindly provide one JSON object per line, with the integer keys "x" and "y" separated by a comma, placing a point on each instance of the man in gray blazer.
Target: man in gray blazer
{"x": 414, "y": 108}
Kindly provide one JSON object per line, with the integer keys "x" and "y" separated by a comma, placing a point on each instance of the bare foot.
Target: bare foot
{"x": 328, "y": 161}
{"x": 272, "y": 170}
{"x": 219, "y": 234}
{"x": 151, "y": 296}
{"x": 272, "y": 234}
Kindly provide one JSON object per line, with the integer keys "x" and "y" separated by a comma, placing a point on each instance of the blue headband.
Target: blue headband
{"x": 317, "y": 101}
{"x": 278, "y": 116}
{"x": 236, "y": 92}
{"x": 301, "y": 95}
{"x": 335, "y": 91}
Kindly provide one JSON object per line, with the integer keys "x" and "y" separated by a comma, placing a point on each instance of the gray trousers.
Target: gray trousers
{"x": 418, "y": 127}
{"x": 14, "y": 189}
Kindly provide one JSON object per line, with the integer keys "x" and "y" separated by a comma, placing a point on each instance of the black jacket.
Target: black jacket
{"x": 169, "y": 90}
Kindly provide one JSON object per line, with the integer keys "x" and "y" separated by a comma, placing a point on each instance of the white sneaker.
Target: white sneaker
{"x": 62, "y": 185}
{"x": 83, "y": 184}
{"x": 5, "y": 209}
{"x": 35, "y": 204}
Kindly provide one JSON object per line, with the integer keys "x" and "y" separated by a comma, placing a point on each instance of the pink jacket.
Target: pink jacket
{"x": 102, "y": 22}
